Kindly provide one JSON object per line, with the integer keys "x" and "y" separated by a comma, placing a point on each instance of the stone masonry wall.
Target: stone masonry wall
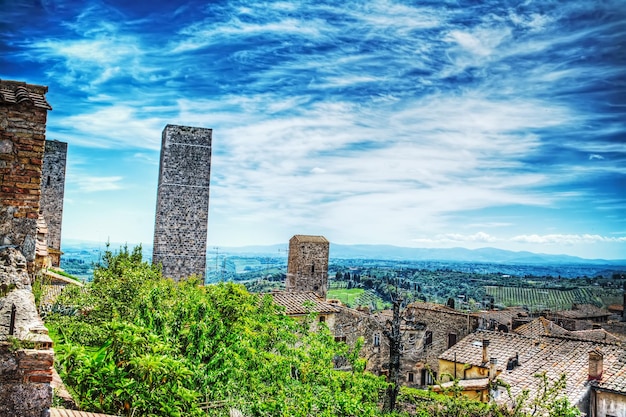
{"x": 441, "y": 322}
{"x": 53, "y": 189}
{"x": 23, "y": 114}
{"x": 182, "y": 211}
{"x": 307, "y": 266}
{"x": 26, "y": 355}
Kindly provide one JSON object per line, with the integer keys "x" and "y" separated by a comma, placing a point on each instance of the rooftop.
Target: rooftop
{"x": 301, "y": 303}
{"x": 554, "y": 355}
{"x": 582, "y": 311}
{"x": 17, "y": 92}
{"x": 309, "y": 238}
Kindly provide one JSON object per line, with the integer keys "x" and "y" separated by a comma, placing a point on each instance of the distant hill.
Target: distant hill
{"x": 389, "y": 252}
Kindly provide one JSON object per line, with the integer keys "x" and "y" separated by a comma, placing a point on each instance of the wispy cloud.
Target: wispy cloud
{"x": 372, "y": 121}
{"x": 558, "y": 239}
{"x": 89, "y": 184}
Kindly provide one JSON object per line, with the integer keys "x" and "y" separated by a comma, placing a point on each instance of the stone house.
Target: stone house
{"x": 431, "y": 329}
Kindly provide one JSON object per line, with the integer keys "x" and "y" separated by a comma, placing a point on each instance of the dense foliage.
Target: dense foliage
{"x": 136, "y": 343}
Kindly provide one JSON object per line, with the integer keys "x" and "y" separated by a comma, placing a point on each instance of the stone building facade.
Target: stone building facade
{"x": 52, "y": 193}
{"x": 307, "y": 265}
{"x": 23, "y": 116}
{"x": 436, "y": 329}
{"x": 182, "y": 210}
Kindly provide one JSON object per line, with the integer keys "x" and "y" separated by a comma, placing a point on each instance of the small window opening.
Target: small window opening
{"x": 376, "y": 340}
{"x": 428, "y": 340}
{"x": 48, "y": 180}
{"x": 322, "y": 319}
{"x": 411, "y": 377}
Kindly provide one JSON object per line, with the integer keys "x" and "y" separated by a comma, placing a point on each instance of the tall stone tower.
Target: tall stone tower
{"x": 23, "y": 116}
{"x": 52, "y": 192}
{"x": 182, "y": 210}
{"x": 307, "y": 268}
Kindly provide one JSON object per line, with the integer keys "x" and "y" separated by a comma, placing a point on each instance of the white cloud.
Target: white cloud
{"x": 562, "y": 239}
{"x": 90, "y": 184}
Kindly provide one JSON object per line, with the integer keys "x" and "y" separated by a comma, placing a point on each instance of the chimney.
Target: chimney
{"x": 492, "y": 368}
{"x": 485, "y": 352}
{"x": 595, "y": 365}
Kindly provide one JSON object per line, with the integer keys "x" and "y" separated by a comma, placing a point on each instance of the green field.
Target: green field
{"x": 357, "y": 297}
{"x": 536, "y": 299}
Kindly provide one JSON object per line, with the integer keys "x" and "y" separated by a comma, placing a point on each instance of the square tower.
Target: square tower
{"x": 307, "y": 268}
{"x": 182, "y": 210}
{"x": 52, "y": 193}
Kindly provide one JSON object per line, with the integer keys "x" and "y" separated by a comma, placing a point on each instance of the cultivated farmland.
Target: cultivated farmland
{"x": 536, "y": 299}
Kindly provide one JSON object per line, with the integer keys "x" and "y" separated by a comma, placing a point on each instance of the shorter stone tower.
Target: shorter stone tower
{"x": 52, "y": 192}
{"x": 307, "y": 268}
{"x": 182, "y": 211}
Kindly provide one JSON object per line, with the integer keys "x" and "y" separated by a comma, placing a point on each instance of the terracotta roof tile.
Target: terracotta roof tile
{"x": 16, "y": 92}
{"x": 541, "y": 326}
{"x": 582, "y": 311}
{"x": 554, "y": 355}
{"x": 299, "y": 303}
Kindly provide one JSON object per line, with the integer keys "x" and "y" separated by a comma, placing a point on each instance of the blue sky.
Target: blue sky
{"x": 426, "y": 124}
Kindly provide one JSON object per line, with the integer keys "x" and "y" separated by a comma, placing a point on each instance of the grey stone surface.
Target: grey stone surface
{"x": 24, "y": 400}
{"x": 53, "y": 189}
{"x": 182, "y": 211}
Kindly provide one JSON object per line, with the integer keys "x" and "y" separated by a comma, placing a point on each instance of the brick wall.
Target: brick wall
{"x": 26, "y": 356}
{"x": 22, "y": 136}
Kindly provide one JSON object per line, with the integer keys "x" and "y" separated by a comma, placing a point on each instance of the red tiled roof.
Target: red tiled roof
{"x": 539, "y": 327}
{"x": 582, "y": 311}
{"x": 16, "y": 92}
{"x": 62, "y": 412}
{"x": 554, "y": 355}
{"x": 299, "y": 303}
{"x": 614, "y": 377}
{"x": 432, "y": 307}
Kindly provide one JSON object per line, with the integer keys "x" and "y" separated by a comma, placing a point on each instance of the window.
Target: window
{"x": 376, "y": 339}
{"x": 340, "y": 339}
{"x": 410, "y": 377}
{"x": 451, "y": 340}
{"x": 428, "y": 338}
{"x": 48, "y": 180}
{"x": 312, "y": 268}
{"x": 428, "y": 377}
{"x": 322, "y": 319}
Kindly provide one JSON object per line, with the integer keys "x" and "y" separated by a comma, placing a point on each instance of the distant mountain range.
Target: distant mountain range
{"x": 396, "y": 253}
{"x": 389, "y": 252}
